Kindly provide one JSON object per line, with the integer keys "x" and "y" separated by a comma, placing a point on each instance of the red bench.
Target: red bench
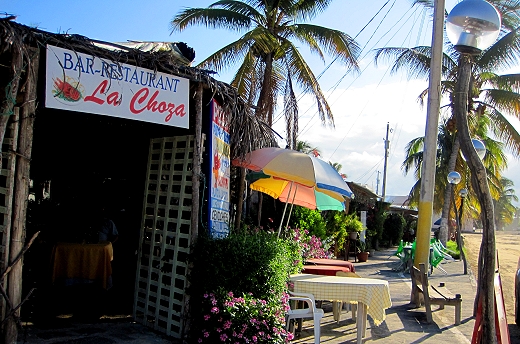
{"x": 328, "y": 270}
{"x": 335, "y": 262}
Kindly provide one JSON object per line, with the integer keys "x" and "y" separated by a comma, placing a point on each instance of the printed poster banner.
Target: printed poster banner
{"x": 220, "y": 172}
{"x": 84, "y": 83}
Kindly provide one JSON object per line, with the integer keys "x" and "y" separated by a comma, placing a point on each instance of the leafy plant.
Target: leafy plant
{"x": 361, "y": 246}
{"x": 376, "y": 216}
{"x": 339, "y": 224}
{"x": 252, "y": 263}
{"x": 394, "y": 228}
{"x": 352, "y": 224}
{"x": 310, "y": 220}
{"x": 244, "y": 319}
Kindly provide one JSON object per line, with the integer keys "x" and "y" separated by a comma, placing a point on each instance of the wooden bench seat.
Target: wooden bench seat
{"x": 426, "y": 294}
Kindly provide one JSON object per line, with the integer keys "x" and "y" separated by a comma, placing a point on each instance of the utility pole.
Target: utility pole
{"x": 424, "y": 220}
{"x": 377, "y": 182}
{"x": 387, "y": 145}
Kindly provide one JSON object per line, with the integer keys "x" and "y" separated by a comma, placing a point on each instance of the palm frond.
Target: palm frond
{"x": 309, "y": 9}
{"x": 335, "y": 43}
{"x": 235, "y": 51}
{"x": 504, "y": 131}
{"x": 503, "y": 100}
{"x": 245, "y": 78}
{"x": 211, "y": 18}
{"x": 242, "y": 8}
{"x": 291, "y": 112}
{"x": 509, "y": 82}
{"x": 415, "y": 61}
{"x": 503, "y": 54}
{"x": 305, "y": 77}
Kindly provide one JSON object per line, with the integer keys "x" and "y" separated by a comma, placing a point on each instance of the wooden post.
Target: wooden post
{"x": 7, "y": 108}
{"x": 197, "y": 159}
{"x": 21, "y": 193}
{"x": 240, "y": 197}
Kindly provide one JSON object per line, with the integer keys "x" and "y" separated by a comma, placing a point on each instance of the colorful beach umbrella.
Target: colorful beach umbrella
{"x": 297, "y": 169}
{"x": 295, "y": 166}
{"x": 289, "y": 192}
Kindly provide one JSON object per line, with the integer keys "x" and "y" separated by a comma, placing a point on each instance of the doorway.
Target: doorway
{"x": 80, "y": 160}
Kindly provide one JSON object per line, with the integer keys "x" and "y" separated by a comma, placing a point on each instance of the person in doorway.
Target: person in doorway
{"x": 108, "y": 231}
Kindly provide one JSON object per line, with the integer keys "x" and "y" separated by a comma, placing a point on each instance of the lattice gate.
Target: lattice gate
{"x": 165, "y": 236}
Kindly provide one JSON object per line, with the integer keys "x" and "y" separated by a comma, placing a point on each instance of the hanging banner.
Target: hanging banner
{"x": 84, "y": 83}
{"x": 220, "y": 172}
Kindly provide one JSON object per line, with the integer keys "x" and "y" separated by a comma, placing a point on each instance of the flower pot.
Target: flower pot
{"x": 362, "y": 256}
{"x": 371, "y": 252}
{"x": 352, "y": 235}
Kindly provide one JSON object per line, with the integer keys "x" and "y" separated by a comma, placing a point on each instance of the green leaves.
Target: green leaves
{"x": 270, "y": 63}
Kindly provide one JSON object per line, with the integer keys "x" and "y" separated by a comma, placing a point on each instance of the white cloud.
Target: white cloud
{"x": 357, "y": 143}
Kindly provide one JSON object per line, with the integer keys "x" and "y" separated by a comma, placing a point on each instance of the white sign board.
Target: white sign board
{"x": 84, "y": 83}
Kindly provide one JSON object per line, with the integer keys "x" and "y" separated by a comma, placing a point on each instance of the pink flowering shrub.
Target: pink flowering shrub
{"x": 244, "y": 319}
{"x": 309, "y": 246}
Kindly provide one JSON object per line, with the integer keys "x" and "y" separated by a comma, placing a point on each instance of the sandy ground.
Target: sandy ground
{"x": 508, "y": 247}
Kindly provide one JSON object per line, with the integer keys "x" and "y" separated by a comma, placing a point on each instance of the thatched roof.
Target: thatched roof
{"x": 363, "y": 194}
{"x": 247, "y": 133}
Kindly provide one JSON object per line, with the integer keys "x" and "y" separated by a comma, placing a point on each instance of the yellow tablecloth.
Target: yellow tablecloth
{"x": 82, "y": 263}
{"x": 374, "y": 293}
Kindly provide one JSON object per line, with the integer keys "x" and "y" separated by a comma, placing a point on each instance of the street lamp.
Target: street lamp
{"x": 474, "y": 25}
{"x": 454, "y": 179}
{"x": 480, "y": 148}
{"x": 462, "y": 193}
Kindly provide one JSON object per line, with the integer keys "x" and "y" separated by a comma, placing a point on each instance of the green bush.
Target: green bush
{"x": 254, "y": 264}
{"x": 376, "y": 216}
{"x": 310, "y": 220}
{"x": 393, "y": 229}
{"x": 453, "y": 250}
{"x": 339, "y": 224}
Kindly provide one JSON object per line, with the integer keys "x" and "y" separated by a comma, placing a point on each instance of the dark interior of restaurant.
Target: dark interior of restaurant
{"x": 81, "y": 162}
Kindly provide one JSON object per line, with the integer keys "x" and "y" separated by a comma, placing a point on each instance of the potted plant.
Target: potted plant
{"x": 353, "y": 226}
{"x": 362, "y": 252}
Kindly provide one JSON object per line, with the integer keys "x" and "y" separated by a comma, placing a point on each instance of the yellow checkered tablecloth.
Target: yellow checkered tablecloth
{"x": 372, "y": 292}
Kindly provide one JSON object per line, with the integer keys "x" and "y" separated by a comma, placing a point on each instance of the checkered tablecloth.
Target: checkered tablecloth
{"x": 374, "y": 293}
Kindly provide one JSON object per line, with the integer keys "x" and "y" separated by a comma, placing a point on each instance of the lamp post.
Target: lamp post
{"x": 454, "y": 179}
{"x": 474, "y": 25}
{"x": 462, "y": 193}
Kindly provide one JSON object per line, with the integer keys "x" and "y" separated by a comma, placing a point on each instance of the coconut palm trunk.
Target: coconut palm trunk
{"x": 480, "y": 184}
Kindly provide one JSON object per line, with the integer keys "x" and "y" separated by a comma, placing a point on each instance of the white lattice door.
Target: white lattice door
{"x": 165, "y": 236}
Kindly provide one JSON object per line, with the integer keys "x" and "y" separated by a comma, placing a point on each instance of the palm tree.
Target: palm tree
{"x": 307, "y": 148}
{"x": 495, "y": 162}
{"x": 336, "y": 165}
{"x": 271, "y": 63}
{"x": 504, "y": 209}
{"x": 493, "y": 94}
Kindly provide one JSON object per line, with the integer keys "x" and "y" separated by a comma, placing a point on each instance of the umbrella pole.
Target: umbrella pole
{"x": 284, "y": 209}
{"x": 292, "y": 205}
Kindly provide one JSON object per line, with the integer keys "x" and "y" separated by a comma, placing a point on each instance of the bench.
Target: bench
{"x": 424, "y": 293}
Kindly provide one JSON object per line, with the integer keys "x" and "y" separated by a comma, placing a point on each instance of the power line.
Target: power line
{"x": 380, "y": 81}
{"x": 334, "y": 60}
{"x": 357, "y": 77}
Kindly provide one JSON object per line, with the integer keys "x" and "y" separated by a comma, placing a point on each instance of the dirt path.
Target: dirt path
{"x": 508, "y": 246}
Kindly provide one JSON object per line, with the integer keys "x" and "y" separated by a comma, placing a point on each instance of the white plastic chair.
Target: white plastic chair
{"x": 305, "y": 313}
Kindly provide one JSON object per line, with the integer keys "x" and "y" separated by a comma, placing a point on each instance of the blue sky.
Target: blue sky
{"x": 362, "y": 104}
